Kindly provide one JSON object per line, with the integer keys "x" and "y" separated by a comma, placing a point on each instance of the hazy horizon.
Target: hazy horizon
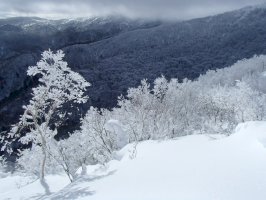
{"x": 150, "y": 9}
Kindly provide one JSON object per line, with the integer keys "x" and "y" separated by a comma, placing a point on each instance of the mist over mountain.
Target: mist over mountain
{"x": 115, "y": 53}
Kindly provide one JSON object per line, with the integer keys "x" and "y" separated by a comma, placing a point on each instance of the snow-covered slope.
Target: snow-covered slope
{"x": 197, "y": 167}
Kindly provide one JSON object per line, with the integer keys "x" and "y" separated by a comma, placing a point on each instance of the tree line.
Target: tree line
{"x": 214, "y": 104}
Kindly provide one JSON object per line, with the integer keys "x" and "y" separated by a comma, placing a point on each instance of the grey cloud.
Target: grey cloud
{"x": 166, "y": 9}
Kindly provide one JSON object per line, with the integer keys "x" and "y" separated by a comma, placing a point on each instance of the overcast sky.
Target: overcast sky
{"x": 166, "y": 9}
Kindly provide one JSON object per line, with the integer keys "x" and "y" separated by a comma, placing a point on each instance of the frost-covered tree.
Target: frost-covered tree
{"x": 2, "y": 162}
{"x": 42, "y": 116}
{"x": 72, "y": 153}
{"x": 136, "y": 110}
{"x": 164, "y": 111}
{"x": 215, "y": 103}
{"x": 95, "y": 143}
{"x": 223, "y": 107}
{"x": 30, "y": 160}
{"x": 101, "y": 141}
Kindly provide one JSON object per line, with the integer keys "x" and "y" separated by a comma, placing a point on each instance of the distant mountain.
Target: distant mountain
{"x": 116, "y": 53}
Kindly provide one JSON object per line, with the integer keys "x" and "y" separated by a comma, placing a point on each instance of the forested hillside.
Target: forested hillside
{"x": 116, "y": 53}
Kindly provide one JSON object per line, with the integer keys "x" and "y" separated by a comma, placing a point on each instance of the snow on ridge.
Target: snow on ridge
{"x": 189, "y": 167}
{"x": 262, "y": 5}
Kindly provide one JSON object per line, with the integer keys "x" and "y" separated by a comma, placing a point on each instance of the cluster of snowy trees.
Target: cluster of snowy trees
{"x": 42, "y": 116}
{"x": 214, "y": 103}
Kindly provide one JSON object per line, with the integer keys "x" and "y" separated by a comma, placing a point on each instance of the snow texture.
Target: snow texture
{"x": 194, "y": 167}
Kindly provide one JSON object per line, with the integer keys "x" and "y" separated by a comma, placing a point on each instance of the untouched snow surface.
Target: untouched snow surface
{"x": 197, "y": 167}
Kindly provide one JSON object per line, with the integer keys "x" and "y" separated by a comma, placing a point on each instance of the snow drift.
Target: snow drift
{"x": 191, "y": 167}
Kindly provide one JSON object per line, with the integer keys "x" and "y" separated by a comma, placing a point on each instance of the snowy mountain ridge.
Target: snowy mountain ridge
{"x": 118, "y": 55}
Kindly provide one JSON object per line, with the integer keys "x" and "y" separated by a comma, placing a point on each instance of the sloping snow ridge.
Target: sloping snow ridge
{"x": 196, "y": 167}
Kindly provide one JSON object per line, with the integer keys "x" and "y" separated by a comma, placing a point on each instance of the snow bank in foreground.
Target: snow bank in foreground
{"x": 197, "y": 167}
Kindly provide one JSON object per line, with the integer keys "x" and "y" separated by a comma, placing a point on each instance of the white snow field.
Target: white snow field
{"x": 196, "y": 167}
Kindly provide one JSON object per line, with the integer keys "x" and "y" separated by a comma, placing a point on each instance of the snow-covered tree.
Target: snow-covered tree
{"x": 101, "y": 141}
{"x": 2, "y": 162}
{"x": 30, "y": 160}
{"x": 42, "y": 116}
{"x": 95, "y": 143}
{"x": 136, "y": 110}
{"x": 215, "y": 103}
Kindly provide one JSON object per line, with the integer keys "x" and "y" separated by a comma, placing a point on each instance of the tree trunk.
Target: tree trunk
{"x": 84, "y": 169}
{"x": 43, "y": 165}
